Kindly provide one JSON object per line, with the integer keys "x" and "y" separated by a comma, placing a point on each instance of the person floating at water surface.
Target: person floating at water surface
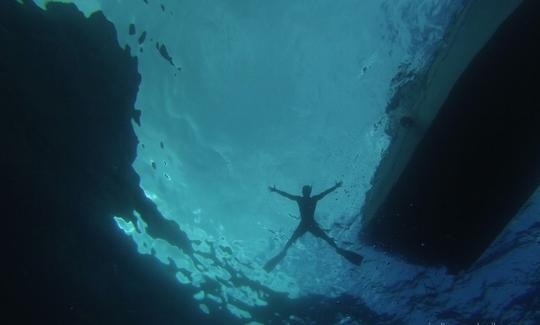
{"x": 307, "y": 205}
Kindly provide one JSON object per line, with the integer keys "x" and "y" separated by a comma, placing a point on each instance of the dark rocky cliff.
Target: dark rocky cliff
{"x": 67, "y": 103}
{"x": 478, "y": 161}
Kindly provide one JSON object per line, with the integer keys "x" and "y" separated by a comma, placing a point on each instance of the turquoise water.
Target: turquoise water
{"x": 287, "y": 93}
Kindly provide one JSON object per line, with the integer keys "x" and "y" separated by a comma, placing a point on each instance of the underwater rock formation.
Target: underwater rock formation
{"x": 447, "y": 188}
{"x": 68, "y": 93}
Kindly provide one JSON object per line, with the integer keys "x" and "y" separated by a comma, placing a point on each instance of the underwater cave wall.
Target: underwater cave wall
{"x": 67, "y": 101}
{"x": 469, "y": 148}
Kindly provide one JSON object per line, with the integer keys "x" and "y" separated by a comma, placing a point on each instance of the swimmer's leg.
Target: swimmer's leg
{"x": 352, "y": 257}
{"x": 271, "y": 264}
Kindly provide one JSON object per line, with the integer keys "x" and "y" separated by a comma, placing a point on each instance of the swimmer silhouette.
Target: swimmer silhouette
{"x": 307, "y": 205}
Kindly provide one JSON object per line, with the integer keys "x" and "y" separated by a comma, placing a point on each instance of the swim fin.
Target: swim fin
{"x": 352, "y": 257}
{"x": 271, "y": 264}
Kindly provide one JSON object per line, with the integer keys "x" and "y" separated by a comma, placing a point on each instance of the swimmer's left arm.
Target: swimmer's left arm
{"x": 331, "y": 189}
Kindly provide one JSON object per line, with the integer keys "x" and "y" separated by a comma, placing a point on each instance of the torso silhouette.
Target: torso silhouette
{"x": 307, "y": 207}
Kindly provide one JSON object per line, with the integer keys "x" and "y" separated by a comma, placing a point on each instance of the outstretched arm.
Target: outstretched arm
{"x": 333, "y": 188}
{"x": 282, "y": 193}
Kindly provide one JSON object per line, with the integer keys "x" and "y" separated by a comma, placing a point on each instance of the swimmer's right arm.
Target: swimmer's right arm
{"x": 282, "y": 193}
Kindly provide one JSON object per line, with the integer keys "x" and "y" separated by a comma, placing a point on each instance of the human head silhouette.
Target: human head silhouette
{"x": 306, "y": 190}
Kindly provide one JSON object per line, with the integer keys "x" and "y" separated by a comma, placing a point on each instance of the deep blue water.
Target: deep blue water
{"x": 236, "y": 96}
